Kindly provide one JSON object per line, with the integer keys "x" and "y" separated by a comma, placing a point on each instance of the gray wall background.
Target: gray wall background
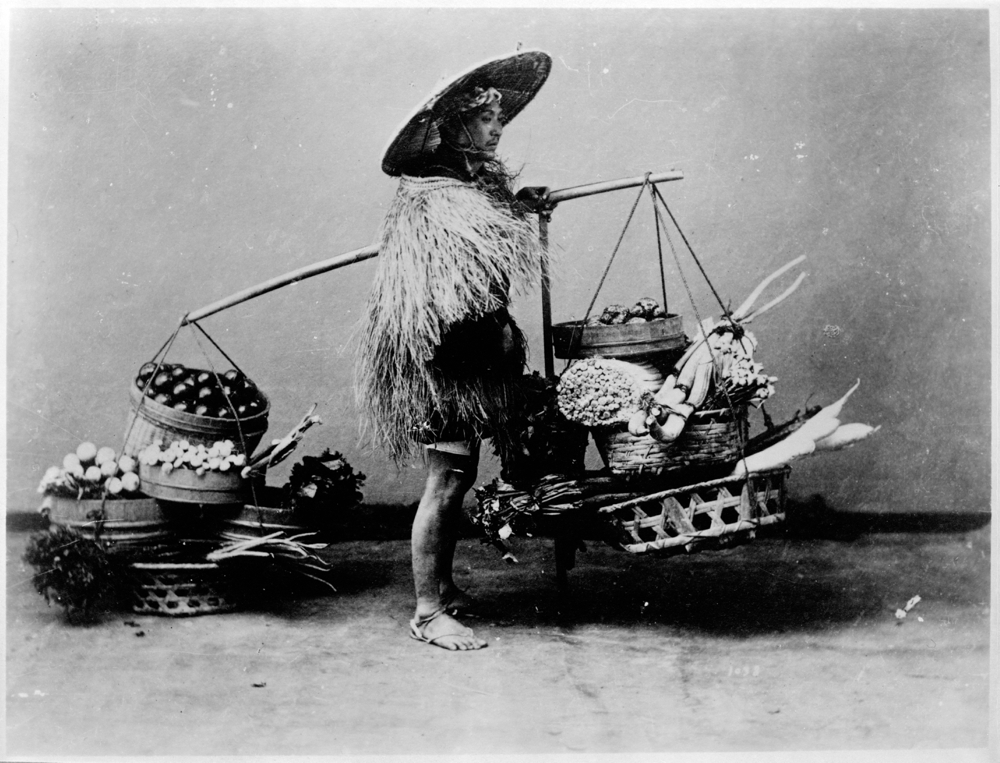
{"x": 162, "y": 159}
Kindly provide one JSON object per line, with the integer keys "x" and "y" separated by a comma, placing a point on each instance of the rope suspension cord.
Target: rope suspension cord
{"x": 576, "y": 336}
{"x": 726, "y": 314}
{"x": 659, "y": 247}
{"x": 216, "y": 345}
{"x": 693, "y": 255}
{"x": 236, "y": 418}
{"x": 159, "y": 357}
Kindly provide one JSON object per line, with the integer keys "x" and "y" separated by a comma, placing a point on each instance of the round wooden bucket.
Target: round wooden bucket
{"x": 126, "y": 521}
{"x": 573, "y": 340}
{"x": 187, "y": 486}
{"x": 149, "y": 420}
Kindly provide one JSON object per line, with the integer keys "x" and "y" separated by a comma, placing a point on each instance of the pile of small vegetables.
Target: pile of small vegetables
{"x": 230, "y": 395}
{"x": 644, "y": 310}
{"x": 91, "y": 473}
{"x": 600, "y": 392}
{"x": 318, "y": 484}
{"x": 220, "y": 456}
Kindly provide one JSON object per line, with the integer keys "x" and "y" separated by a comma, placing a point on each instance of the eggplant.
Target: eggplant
{"x": 162, "y": 398}
{"x": 161, "y": 381}
{"x": 178, "y": 371}
{"x": 201, "y": 410}
{"x": 182, "y": 391}
{"x": 147, "y": 370}
{"x": 205, "y": 392}
{"x": 223, "y": 412}
{"x": 204, "y": 377}
{"x": 181, "y": 406}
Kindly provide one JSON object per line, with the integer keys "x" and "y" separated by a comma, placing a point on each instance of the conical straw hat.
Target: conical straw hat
{"x": 517, "y": 77}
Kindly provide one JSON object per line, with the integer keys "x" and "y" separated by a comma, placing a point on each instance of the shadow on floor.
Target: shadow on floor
{"x": 815, "y": 518}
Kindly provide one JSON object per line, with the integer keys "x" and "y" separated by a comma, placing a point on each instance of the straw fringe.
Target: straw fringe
{"x": 448, "y": 252}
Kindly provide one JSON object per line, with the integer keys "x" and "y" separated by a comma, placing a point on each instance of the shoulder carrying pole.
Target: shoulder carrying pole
{"x": 366, "y": 253}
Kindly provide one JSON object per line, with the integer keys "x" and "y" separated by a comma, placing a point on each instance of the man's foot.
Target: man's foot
{"x": 455, "y": 600}
{"x": 443, "y": 630}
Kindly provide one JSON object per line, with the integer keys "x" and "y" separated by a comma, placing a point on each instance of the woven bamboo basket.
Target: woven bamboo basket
{"x": 187, "y": 486}
{"x": 700, "y": 517}
{"x": 149, "y": 420}
{"x": 182, "y": 589}
{"x": 710, "y": 439}
{"x": 121, "y": 522}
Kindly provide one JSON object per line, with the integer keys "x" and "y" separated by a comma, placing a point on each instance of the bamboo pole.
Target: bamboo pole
{"x": 365, "y": 253}
{"x": 368, "y": 252}
{"x": 590, "y": 189}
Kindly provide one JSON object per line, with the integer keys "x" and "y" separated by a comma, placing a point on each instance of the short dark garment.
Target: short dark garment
{"x": 472, "y": 352}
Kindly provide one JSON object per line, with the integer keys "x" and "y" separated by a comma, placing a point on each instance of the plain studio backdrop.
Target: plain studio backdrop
{"x": 162, "y": 159}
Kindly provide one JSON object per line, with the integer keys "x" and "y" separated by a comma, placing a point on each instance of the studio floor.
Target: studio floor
{"x": 787, "y": 643}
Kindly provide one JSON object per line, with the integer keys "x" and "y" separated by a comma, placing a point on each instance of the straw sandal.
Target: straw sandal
{"x": 417, "y": 624}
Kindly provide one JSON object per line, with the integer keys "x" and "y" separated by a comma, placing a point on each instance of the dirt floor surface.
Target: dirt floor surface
{"x": 787, "y": 643}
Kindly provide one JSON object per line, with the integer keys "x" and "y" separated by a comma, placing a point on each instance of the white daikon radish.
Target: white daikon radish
{"x": 834, "y": 409}
{"x": 783, "y": 452}
{"x": 819, "y": 426}
{"x": 826, "y": 420}
{"x": 845, "y": 436}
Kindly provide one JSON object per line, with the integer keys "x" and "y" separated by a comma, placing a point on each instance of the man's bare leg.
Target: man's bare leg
{"x": 449, "y": 477}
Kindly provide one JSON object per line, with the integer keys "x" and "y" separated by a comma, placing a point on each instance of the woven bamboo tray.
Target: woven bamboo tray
{"x": 700, "y": 517}
{"x": 181, "y": 589}
{"x": 149, "y": 420}
{"x": 711, "y": 438}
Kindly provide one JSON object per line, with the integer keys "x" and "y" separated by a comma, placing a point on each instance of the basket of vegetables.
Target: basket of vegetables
{"x": 97, "y": 493}
{"x": 647, "y": 424}
{"x": 173, "y": 402}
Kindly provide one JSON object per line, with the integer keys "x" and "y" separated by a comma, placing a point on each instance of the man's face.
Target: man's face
{"x": 484, "y": 128}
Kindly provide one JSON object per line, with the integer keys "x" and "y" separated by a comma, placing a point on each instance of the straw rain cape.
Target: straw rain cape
{"x": 449, "y": 253}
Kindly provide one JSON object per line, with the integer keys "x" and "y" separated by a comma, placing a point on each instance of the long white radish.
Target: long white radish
{"x": 777, "y": 300}
{"x": 845, "y": 436}
{"x": 701, "y": 384}
{"x": 825, "y": 421}
{"x": 743, "y": 309}
{"x": 818, "y": 427}
{"x": 834, "y": 409}
{"x": 637, "y": 424}
{"x": 783, "y": 452}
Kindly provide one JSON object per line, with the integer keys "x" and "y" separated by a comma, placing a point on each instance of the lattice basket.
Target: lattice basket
{"x": 704, "y": 516}
{"x": 181, "y": 589}
{"x": 710, "y": 439}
